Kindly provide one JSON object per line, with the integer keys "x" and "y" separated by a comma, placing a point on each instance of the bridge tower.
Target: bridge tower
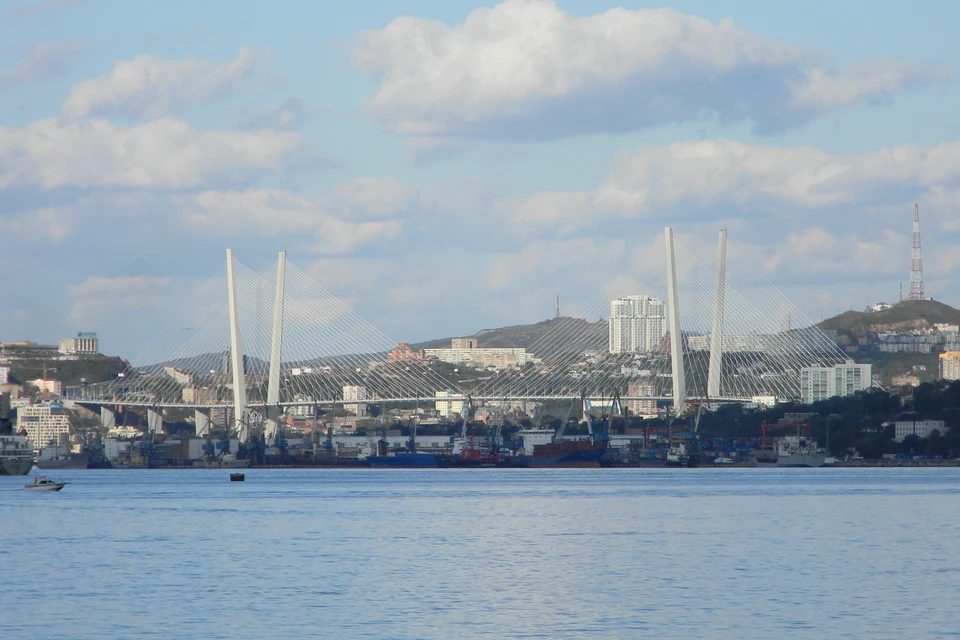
{"x": 676, "y": 333}
{"x": 276, "y": 355}
{"x": 236, "y": 358}
{"x": 716, "y": 335}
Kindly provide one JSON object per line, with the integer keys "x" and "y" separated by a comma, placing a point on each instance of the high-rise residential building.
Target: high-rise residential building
{"x": 643, "y": 408}
{"x": 449, "y": 404}
{"x": 820, "y": 383}
{"x": 43, "y": 424}
{"x": 4, "y": 375}
{"x": 637, "y": 324}
{"x": 353, "y": 395}
{"x": 950, "y": 365}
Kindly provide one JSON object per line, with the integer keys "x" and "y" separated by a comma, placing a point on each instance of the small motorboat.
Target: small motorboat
{"x": 236, "y": 477}
{"x": 43, "y": 483}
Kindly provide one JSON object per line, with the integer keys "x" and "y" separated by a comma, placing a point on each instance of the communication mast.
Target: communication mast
{"x": 916, "y": 263}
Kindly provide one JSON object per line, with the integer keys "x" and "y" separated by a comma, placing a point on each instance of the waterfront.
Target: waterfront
{"x": 623, "y": 553}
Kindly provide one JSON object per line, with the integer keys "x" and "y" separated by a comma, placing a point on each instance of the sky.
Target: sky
{"x": 448, "y": 166}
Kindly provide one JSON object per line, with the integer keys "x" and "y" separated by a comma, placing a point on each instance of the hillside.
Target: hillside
{"x": 909, "y": 314}
{"x": 528, "y": 335}
{"x": 92, "y": 368}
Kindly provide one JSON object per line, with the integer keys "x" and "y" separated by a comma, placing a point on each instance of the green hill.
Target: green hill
{"x": 909, "y": 314}
{"x": 528, "y": 335}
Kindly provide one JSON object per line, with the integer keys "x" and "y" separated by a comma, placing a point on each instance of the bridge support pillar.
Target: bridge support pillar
{"x": 236, "y": 357}
{"x": 276, "y": 356}
{"x": 154, "y": 422}
{"x": 108, "y": 418}
{"x": 202, "y": 420}
{"x": 716, "y": 335}
{"x": 676, "y": 332}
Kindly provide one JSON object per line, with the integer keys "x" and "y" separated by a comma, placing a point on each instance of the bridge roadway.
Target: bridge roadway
{"x": 424, "y": 399}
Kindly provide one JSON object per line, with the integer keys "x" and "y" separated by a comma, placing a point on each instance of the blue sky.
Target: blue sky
{"x": 450, "y": 166}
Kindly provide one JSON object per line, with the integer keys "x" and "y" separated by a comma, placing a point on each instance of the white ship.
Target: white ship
{"x": 16, "y": 455}
{"x": 797, "y": 451}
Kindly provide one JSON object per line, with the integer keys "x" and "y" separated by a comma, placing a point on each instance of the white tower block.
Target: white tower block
{"x": 716, "y": 335}
{"x": 236, "y": 357}
{"x": 676, "y": 333}
{"x": 276, "y": 355}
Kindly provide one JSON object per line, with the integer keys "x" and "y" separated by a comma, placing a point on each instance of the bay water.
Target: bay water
{"x": 506, "y": 553}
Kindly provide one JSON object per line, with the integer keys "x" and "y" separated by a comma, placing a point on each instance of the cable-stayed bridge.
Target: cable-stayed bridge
{"x": 740, "y": 340}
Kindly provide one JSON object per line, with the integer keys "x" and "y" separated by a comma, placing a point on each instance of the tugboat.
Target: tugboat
{"x": 43, "y": 483}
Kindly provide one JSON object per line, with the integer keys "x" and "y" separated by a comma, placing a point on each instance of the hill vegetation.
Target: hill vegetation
{"x": 91, "y": 369}
{"x": 527, "y": 335}
{"x": 909, "y": 314}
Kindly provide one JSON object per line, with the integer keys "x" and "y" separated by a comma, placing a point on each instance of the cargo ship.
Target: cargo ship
{"x": 796, "y": 451}
{"x": 16, "y": 455}
{"x": 404, "y": 460}
{"x": 59, "y": 458}
{"x": 566, "y": 454}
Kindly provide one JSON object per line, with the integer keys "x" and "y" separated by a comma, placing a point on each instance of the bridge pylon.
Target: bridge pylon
{"x": 236, "y": 357}
{"x": 676, "y": 332}
{"x": 276, "y": 355}
{"x": 716, "y": 334}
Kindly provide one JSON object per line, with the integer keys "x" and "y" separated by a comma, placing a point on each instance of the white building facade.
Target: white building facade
{"x": 84, "y": 343}
{"x": 637, "y": 324}
{"x": 498, "y": 357}
{"x": 353, "y": 400}
{"x": 820, "y": 383}
{"x": 449, "y": 404}
{"x": 43, "y": 424}
{"x": 919, "y": 428}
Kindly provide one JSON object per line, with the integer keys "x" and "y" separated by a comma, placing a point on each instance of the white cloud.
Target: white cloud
{"x": 375, "y": 197}
{"x": 161, "y": 154}
{"x": 45, "y": 225}
{"x": 152, "y": 86}
{"x": 122, "y": 286}
{"x": 43, "y": 61}
{"x": 525, "y": 69}
{"x": 693, "y": 177}
{"x": 273, "y": 212}
{"x": 289, "y": 116}
{"x": 98, "y": 298}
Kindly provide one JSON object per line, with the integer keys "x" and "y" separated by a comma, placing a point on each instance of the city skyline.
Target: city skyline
{"x": 374, "y": 163}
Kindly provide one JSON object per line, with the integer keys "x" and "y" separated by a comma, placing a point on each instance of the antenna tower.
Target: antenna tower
{"x": 558, "y": 305}
{"x": 916, "y": 264}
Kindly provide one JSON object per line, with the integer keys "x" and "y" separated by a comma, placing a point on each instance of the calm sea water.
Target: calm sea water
{"x": 609, "y": 553}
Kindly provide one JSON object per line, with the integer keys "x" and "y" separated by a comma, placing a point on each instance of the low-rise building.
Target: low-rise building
{"x": 54, "y": 387}
{"x": 84, "y": 343}
{"x": 905, "y": 380}
{"x": 181, "y": 377}
{"x": 199, "y": 395}
{"x": 919, "y": 428}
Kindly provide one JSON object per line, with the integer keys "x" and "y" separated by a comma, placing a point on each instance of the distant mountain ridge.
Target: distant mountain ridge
{"x": 529, "y": 335}
{"x": 908, "y": 314}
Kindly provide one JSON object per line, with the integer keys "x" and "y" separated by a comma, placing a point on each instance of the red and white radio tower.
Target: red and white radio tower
{"x": 916, "y": 264}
